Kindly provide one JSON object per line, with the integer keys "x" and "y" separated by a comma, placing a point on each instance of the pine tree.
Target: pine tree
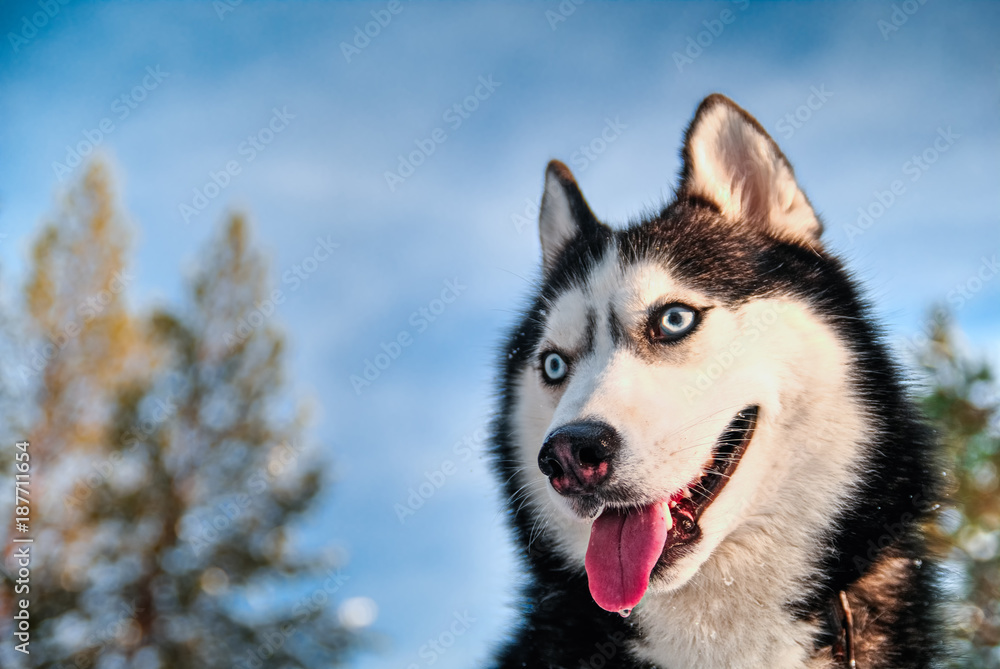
{"x": 963, "y": 402}
{"x": 169, "y": 464}
{"x": 84, "y": 348}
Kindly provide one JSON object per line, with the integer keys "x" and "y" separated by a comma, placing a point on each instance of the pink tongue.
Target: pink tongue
{"x": 623, "y": 550}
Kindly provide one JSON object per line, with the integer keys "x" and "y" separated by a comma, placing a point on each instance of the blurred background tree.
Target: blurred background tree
{"x": 167, "y": 465}
{"x": 963, "y": 403}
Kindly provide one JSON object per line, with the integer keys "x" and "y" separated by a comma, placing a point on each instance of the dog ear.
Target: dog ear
{"x": 564, "y": 213}
{"x": 731, "y": 161}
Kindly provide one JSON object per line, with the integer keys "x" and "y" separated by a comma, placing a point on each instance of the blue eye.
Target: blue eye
{"x": 554, "y": 366}
{"x": 674, "y": 322}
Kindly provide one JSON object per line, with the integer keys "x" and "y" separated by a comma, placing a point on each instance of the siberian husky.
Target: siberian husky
{"x": 708, "y": 457}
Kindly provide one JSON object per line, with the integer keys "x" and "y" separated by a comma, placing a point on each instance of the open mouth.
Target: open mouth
{"x": 628, "y": 544}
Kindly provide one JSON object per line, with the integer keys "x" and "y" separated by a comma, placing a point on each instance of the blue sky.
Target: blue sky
{"x": 887, "y": 95}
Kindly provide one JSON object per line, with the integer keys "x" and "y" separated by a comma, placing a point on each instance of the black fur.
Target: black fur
{"x": 894, "y": 601}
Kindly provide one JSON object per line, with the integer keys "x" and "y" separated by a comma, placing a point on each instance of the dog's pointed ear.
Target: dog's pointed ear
{"x": 731, "y": 161}
{"x": 564, "y": 213}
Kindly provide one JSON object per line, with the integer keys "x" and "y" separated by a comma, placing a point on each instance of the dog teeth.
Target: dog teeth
{"x": 687, "y": 493}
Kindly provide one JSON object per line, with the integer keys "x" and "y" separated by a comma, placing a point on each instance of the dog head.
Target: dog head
{"x": 674, "y": 380}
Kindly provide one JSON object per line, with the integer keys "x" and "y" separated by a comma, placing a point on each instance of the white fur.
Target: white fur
{"x": 724, "y": 604}
{"x": 556, "y": 225}
{"x": 734, "y": 165}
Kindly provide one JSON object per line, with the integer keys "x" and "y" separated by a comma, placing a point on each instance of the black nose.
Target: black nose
{"x": 577, "y": 457}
